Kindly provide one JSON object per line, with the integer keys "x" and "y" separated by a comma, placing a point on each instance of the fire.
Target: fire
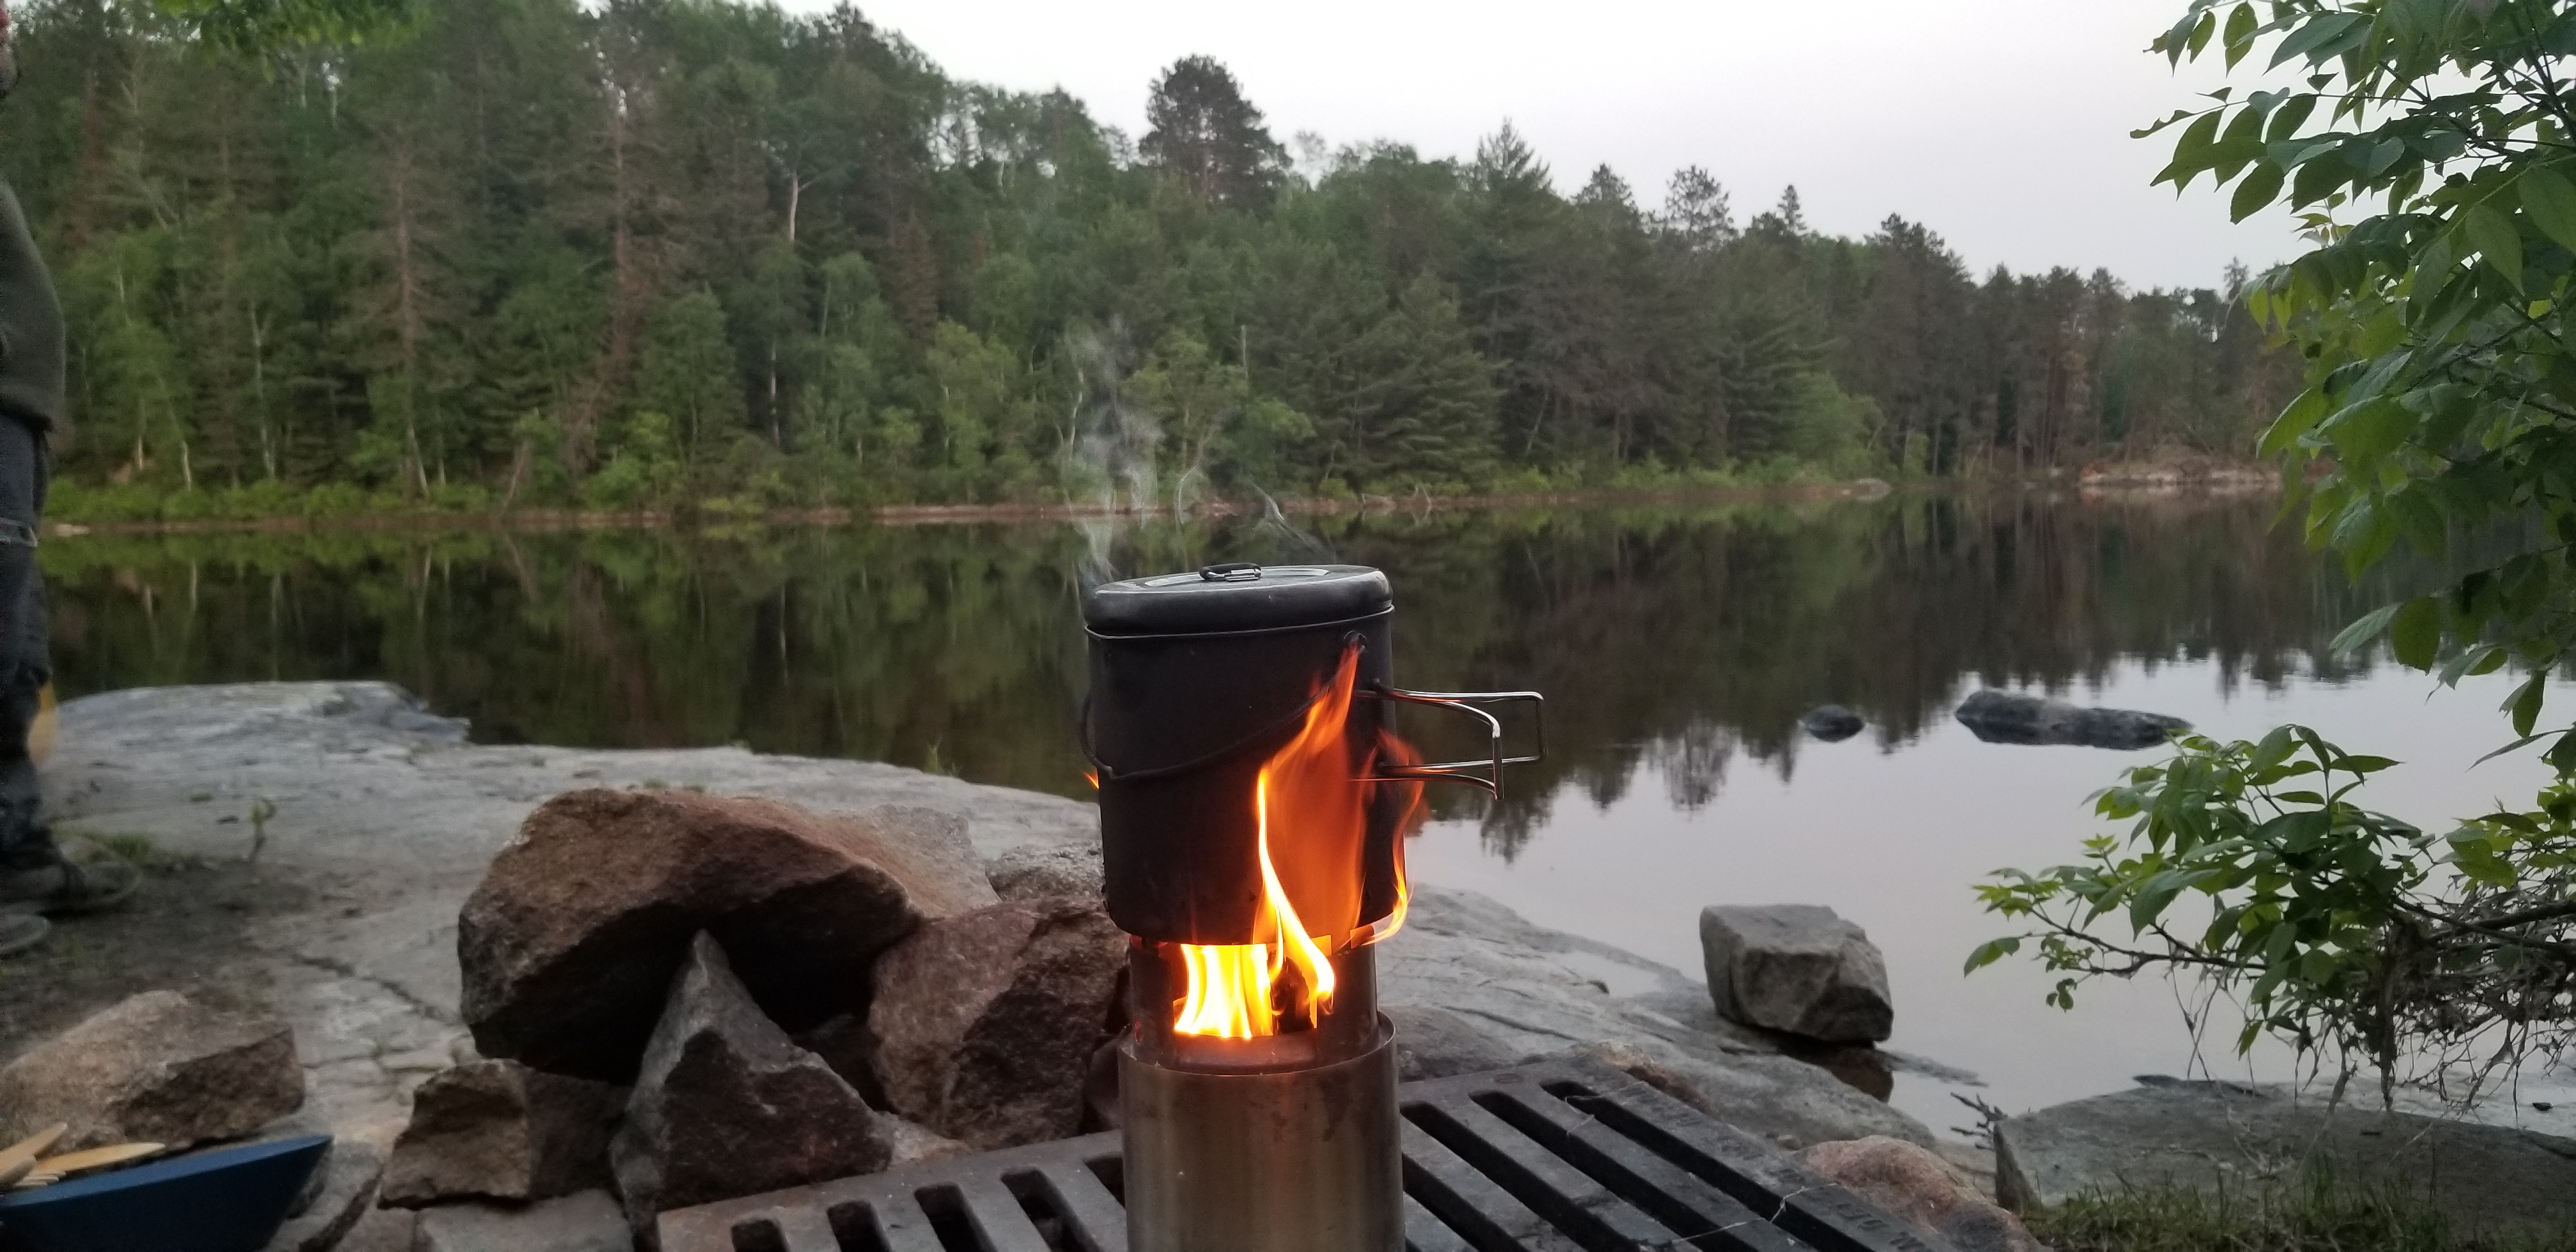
{"x": 1316, "y": 800}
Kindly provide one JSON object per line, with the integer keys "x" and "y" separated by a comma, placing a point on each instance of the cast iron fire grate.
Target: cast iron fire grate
{"x": 1550, "y": 1157}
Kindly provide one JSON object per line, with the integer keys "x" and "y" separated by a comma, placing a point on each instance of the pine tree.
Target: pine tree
{"x": 1204, "y": 132}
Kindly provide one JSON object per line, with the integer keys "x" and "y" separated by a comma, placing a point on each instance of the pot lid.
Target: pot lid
{"x": 1236, "y": 596}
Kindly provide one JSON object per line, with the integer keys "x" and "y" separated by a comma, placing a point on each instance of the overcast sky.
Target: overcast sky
{"x": 2002, "y": 124}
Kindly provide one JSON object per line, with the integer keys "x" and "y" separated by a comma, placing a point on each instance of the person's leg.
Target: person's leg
{"x": 33, "y": 871}
{"x": 25, "y": 844}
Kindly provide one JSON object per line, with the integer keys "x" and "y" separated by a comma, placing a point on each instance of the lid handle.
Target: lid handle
{"x": 1232, "y": 572}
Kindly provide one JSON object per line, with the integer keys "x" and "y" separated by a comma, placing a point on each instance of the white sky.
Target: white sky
{"x": 2001, "y": 124}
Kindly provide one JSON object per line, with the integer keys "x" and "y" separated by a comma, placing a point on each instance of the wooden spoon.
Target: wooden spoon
{"x": 33, "y": 1181}
{"x": 95, "y": 1158}
{"x": 19, "y": 1159}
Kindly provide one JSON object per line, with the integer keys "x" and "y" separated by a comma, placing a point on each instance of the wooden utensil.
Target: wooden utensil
{"x": 19, "y": 1159}
{"x": 95, "y": 1158}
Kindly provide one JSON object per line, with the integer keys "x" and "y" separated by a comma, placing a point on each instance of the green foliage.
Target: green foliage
{"x": 480, "y": 252}
{"x": 2424, "y": 143}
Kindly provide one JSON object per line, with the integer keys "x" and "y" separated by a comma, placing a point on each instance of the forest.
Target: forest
{"x": 694, "y": 255}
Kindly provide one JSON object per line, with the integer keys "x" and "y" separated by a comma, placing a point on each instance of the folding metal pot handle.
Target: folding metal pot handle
{"x": 1487, "y": 773}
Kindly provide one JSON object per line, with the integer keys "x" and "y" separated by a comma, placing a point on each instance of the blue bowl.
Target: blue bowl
{"x": 230, "y": 1200}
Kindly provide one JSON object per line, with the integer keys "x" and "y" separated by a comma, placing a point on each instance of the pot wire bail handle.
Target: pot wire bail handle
{"x": 1485, "y": 773}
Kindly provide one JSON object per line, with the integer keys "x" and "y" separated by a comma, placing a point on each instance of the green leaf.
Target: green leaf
{"x": 2415, "y": 634}
{"x": 2493, "y": 234}
{"x": 2360, "y": 634}
{"x": 2319, "y": 32}
{"x": 2550, "y": 200}
{"x": 2192, "y": 152}
{"x": 2241, "y": 24}
{"x": 2261, "y": 186}
{"x": 2525, "y": 704}
{"x": 1989, "y": 952}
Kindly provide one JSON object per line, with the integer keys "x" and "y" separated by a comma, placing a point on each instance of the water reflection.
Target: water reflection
{"x": 1675, "y": 644}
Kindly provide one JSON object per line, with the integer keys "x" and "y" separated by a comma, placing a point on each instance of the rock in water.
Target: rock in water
{"x": 2009, "y": 717}
{"x": 1796, "y": 968}
{"x": 587, "y": 1222}
{"x": 1920, "y": 1189}
{"x": 568, "y": 944}
{"x": 497, "y": 1130}
{"x": 156, "y": 1068}
{"x": 726, "y": 1106}
{"x": 1034, "y": 871}
{"x": 1832, "y": 723}
{"x": 984, "y": 1024}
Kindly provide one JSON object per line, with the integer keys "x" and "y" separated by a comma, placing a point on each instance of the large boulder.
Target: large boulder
{"x": 568, "y": 944}
{"x": 586, "y": 1222}
{"x": 1432, "y": 1042}
{"x": 1791, "y": 1103}
{"x": 984, "y": 1024}
{"x": 1796, "y": 968}
{"x": 2499, "y": 1182}
{"x": 1911, "y": 1184}
{"x": 2011, "y": 717}
{"x": 727, "y": 1106}
{"x": 497, "y": 1130}
{"x": 155, "y": 1068}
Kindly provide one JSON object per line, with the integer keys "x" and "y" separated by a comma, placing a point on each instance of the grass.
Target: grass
{"x": 2315, "y": 1214}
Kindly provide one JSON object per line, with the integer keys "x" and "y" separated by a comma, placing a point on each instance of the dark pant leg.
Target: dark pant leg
{"x": 24, "y": 667}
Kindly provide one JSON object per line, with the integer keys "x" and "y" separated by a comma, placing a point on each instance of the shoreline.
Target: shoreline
{"x": 557, "y": 520}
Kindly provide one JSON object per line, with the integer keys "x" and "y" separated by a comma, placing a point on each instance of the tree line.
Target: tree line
{"x": 690, "y": 253}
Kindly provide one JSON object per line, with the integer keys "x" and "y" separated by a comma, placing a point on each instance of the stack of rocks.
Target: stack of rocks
{"x": 680, "y": 999}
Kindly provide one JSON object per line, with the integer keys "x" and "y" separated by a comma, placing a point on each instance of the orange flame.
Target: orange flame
{"x": 1315, "y": 800}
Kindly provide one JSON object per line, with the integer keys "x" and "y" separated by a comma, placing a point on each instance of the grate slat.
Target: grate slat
{"x": 1556, "y": 1156}
{"x": 1001, "y": 1225}
{"x": 1092, "y": 1215}
{"x": 1566, "y": 1196}
{"x": 1708, "y": 1217}
{"x": 1793, "y": 1197}
{"x": 1426, "y": 1233}
{"x": 1488, "y": 1217}
{"x": 805, "y": 1230}
{"x": 902, "y": 1223}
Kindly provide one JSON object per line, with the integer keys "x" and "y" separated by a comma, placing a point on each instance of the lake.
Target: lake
{"x": 1677, "y": 646}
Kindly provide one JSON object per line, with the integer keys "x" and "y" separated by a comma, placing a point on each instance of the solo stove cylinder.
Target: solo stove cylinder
{"x": 1303, "y": 1160}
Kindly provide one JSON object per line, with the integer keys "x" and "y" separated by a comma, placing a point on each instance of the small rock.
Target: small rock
{"x": 1832, "y": 723}
{"x": 2010, "y": 717}
{"x": 155, "y": 1068}
{"x": 349, "y": 1177}
{"x": 586, "y": 1222}
{"x": 1436, "y": 1043}
{"x": 726, "y": 1106}
{"x": 1034, "y": 871}
{"x": 568, "y": 944}
{"x": 1796, "y": 968}
{"x": 497, "y": 1130}
{"x": 985, "y": 1023}
{"x": 1920, "y": 1189}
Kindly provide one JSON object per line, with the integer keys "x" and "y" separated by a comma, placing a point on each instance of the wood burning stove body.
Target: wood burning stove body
{"x": 1287, "y": 1140}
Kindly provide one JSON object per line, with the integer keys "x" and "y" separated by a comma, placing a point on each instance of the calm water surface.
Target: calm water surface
{"x": 1677, "y": 646}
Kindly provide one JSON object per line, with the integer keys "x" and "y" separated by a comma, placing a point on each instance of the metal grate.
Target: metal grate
{"x": 1560, "y": 1156}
